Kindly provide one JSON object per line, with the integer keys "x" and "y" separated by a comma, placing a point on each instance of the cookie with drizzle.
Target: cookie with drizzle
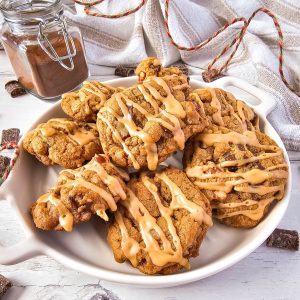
{"x": 224, "y": 110}
{"x": 143, "y": 125}
{"x": 241, "y": 173}
{"x": 64, "y": 142}
{"x": 84, "y": 104}
{"x": 80, "y": 193}
{"x": 161, "y": 224}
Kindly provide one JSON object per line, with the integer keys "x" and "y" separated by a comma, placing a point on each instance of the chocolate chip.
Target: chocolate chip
{"x": 5, "y": 284}
{"x": 124, "y": 71}
{"x": 232, "y": 169}
{"x": 1, "y": 46}
{"x": 100, "y": 159}
{"x": 211, "y": 75}
{"x": 4, "y": 162}
{"x": 14, "y": 88}
{"x": 183, "y": 68}
{"x": 284, "y": 239}
{"x": 11, "y": 135}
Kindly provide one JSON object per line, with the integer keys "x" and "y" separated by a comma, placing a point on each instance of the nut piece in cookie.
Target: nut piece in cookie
{"x": 143, "y": 125}
{"x": 223, "y": 109}
{"x": 241, "y": 173}
{"x": 151, "y": 66}
{"x": 161, "y": 224}
{"x": 64, "y": 142}
{"x": 79, "y": 194}
{"x": 83, "y": 105}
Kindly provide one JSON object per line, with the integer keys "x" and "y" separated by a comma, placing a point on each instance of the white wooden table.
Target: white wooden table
{"x": 265, "y": 274}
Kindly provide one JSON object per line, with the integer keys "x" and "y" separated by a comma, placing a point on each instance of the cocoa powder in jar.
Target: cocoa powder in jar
{"x": 37, "y": 72}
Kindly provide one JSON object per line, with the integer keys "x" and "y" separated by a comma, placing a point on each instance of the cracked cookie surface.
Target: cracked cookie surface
{"x": 79, "y": 194}
{"x": 143, "y": 125}
{"x": 64, "y": 142}
{"x": 161, "y": 224}
{"x": 241, "y": 173}
{"x": 84, "y": 104}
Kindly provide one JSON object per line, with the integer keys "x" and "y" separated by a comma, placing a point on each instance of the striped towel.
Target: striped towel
{"x": 128, "y": 40}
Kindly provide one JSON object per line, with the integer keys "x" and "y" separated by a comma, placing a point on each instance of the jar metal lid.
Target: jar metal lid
{"x": 41, "y": 14}
{"x": 28, "y": 11}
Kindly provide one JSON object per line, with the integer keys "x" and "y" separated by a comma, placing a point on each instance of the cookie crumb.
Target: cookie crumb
{"x": 10, "y": 135}
{"x": 15, "y": 89}
{"x": 284, "y": 239}
{"x": 124, "y": 71}
{"x": 5, "y": 284}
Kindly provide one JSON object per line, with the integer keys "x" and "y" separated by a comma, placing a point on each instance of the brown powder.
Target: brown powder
{"x": 37, "y": 72}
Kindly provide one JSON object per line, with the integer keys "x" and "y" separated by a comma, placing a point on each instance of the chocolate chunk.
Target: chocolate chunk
{"x": 14, "y": 88}
{"x": 211, "y": 75}
{"x": 183, "y": 68}
{"x": 232, "y": 168}
{"x": 4, "y": 162}
{"x": 1, "y": 46}
{"x": 11, "y": 135}
{"x": 5, "y": 284}
{"x": 284, "y": 239}
{"x": 124, "y": 71}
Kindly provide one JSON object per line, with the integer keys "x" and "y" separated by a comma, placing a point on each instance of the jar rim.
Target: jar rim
{"x": 28, "y": 10}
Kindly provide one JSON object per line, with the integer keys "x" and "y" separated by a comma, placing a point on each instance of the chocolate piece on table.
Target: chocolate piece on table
{"x": 4, "y": 162}
{"x": 14, "y": 88}
{"x": 183, "y": 68}
{"x": 5, "y": 284}
{"x": 284, "y": 239}
{"x": 124, "y": 71}
{"x": 211, "y": 75}
{"x": 10, "y": 135}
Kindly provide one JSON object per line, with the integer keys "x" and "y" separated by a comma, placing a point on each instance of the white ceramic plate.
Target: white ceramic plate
{"x": 86, "y": 250}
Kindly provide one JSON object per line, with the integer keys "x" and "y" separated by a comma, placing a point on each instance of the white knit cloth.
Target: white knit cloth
{"x": 128, "y": 40}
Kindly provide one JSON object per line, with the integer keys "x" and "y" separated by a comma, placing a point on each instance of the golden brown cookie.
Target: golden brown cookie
{"x": 161, "y": 224}
{"x": 145, "y": 124}
{"x": 64, "y": 142}
{"x": 83, "y": 105}
{"x": 151, "y": 66}
{"x": 241, "y": 173}
{"x": 224, "y": 110}
{"x": 79, "y": 194}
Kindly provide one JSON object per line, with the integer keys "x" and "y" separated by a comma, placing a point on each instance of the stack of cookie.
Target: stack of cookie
{"x": 113, "y": 144}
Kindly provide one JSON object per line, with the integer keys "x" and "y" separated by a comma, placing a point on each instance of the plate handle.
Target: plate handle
{"x": 22, "y": 251}
{"x": 266, "y": 104}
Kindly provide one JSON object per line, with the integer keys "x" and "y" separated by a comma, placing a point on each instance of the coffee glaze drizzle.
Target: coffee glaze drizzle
{"x": 166, "y": 251}
{"x": 75, "y": 178}
{"x": 169, "y": 118}
{"x": 235, "y": 181}
{"x": 244, "y": 114}
{"x": 76, "y": 133}
{"x": 97, "y": 89}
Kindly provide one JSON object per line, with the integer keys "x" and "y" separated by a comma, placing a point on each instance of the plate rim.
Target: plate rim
{"x": 155, "y": 281}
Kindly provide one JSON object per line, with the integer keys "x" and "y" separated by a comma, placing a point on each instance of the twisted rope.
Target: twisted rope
{"x": 237, "y": 40}
{"x": 12, "y": 161}
{"x": 88, "y": 9}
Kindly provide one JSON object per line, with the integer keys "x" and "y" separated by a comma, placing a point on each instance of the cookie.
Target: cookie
{"x": 143, "y": 125}
{"x": 224, "y": 110}
{"x": 83, "y": 105}
{"x": 151, "y": 66}
{"x": 79, "y": 194}
{"x": 64, "y": 142}
{"x": 161, "y": 224}
{"x": 241, "y": 173}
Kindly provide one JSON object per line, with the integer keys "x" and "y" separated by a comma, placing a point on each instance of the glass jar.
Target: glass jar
{"x": 47, "y": 55}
